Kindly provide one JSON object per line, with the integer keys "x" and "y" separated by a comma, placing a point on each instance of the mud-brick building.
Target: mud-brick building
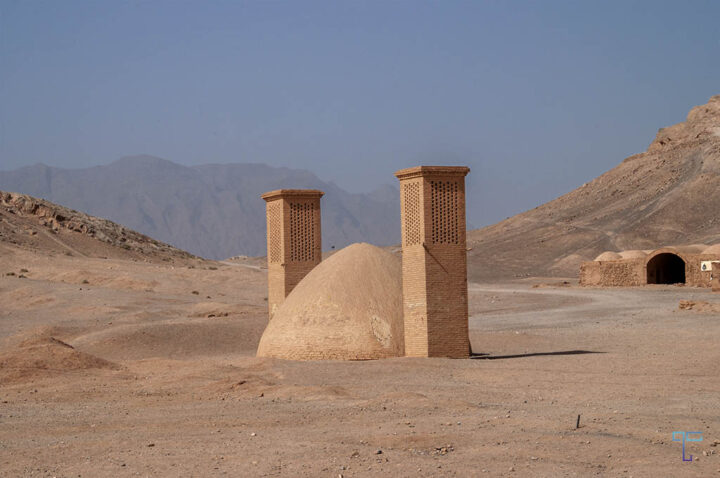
{"x": 691, "y": 265}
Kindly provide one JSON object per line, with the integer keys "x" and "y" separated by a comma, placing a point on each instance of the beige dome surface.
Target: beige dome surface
{"x": 349, "y": 307}
{"x": 633, "y": 254}
{"x": 608, "y": 256}
{"x": 691, "y": 248}
{"x": 712, "y": 250}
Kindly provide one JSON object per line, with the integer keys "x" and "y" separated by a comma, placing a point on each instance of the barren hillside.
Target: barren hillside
{"x": 41, "y": 226}
{"x": 669, "y": 194}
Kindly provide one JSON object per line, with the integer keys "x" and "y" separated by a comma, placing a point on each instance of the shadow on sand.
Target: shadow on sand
{"x": 478, "y": 356}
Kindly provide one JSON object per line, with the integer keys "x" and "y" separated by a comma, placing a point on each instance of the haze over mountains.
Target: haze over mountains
{"x": 668, "y": 195}
{"x": 214, "y": 211}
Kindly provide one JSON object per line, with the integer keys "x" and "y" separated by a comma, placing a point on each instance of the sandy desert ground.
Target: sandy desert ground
{"x": 112, "y": 367}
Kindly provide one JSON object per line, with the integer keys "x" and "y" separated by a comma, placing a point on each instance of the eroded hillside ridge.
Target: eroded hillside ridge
{"x": 669, "y": 194}
{"x": 703, "y": 122}
{"x": 22, "y": 217}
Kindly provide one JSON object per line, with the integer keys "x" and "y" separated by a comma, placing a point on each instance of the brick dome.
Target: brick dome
{"x": 349, "y": 307}
{"x": 715, "y": 250}
{"x": 608, "y": 256}
{"x": 633, "y": 254}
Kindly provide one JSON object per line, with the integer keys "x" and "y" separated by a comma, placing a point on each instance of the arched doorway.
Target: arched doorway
{"x": 666, "y": 268}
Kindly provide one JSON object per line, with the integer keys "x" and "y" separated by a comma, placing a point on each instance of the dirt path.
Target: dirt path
{"x": 59, "y": 242}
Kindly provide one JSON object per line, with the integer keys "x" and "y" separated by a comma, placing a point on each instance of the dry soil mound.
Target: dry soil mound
{"x": 700, "y": 306}
{"x": 176, "y": 339}
{"x": 348, "y": 308}
{"x": 43, "y": 354}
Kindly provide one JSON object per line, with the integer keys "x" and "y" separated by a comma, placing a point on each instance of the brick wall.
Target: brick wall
{"x": 621, "y": 273}
{"x": 633, "y": 272}
{"x": 716, "y": 277}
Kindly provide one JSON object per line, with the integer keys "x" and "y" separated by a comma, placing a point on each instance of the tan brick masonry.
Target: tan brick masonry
{"x": 435, "y": 298}
{"x": 294, "y": 245}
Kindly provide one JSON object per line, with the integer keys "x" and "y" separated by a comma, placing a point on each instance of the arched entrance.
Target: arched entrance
{"x": 666, "y": 268}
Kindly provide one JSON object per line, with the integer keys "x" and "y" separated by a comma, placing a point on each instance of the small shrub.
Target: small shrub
{"x": 212, "y": 268}
{"x": 196, "y": 292}
{"x": 24, "y": 270}
{"x": 10, "y": 274}
{"x": 85, "y": 281}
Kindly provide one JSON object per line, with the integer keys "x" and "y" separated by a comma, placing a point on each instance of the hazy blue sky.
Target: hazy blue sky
{"x": 536, "y": 97}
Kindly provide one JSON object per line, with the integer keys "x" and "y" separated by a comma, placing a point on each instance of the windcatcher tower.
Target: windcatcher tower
{"x": 294, "y": 244}
{"x": 434, "y": 262}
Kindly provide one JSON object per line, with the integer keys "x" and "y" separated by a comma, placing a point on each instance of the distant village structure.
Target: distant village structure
{"x": 339, "y": 305}
{"x": 294, "y": 242}
{"x": 691, "y": 265}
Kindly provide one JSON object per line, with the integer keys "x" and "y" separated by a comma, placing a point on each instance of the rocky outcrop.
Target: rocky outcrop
{"x": 702, "y": 123}
{"x": 23, "y": 216}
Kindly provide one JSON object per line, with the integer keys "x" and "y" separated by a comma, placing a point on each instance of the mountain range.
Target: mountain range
{"x": 214, "y": 210}
{"x": 667, "y": 195}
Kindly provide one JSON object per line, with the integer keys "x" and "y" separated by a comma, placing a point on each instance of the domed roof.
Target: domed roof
{"x": 691, "y": 248}
{"x": 715, "y": 249}
{"x": 635, "y": 254}
{"x": 608, "y": 256}
{"x": 349, "y": 307}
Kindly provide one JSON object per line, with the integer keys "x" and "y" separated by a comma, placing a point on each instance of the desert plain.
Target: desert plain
{"x": 125, "y": 366}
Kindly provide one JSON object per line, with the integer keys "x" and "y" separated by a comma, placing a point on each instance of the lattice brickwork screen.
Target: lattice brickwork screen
{"x": 274, "y": 212}
{"x": 444, "y": 204}
{"x": 302, "y": 232}
{"x": 411, "y": 198}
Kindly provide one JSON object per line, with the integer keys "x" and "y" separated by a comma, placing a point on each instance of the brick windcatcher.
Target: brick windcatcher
{"x": 294, "y": 243}
{"x": 434, "y": 262}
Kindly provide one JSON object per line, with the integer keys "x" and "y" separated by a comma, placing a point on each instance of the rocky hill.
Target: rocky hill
{"x": 669, "y": 194}
{"x": 40, "y": 225}
{"x": 214, "y": 211}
